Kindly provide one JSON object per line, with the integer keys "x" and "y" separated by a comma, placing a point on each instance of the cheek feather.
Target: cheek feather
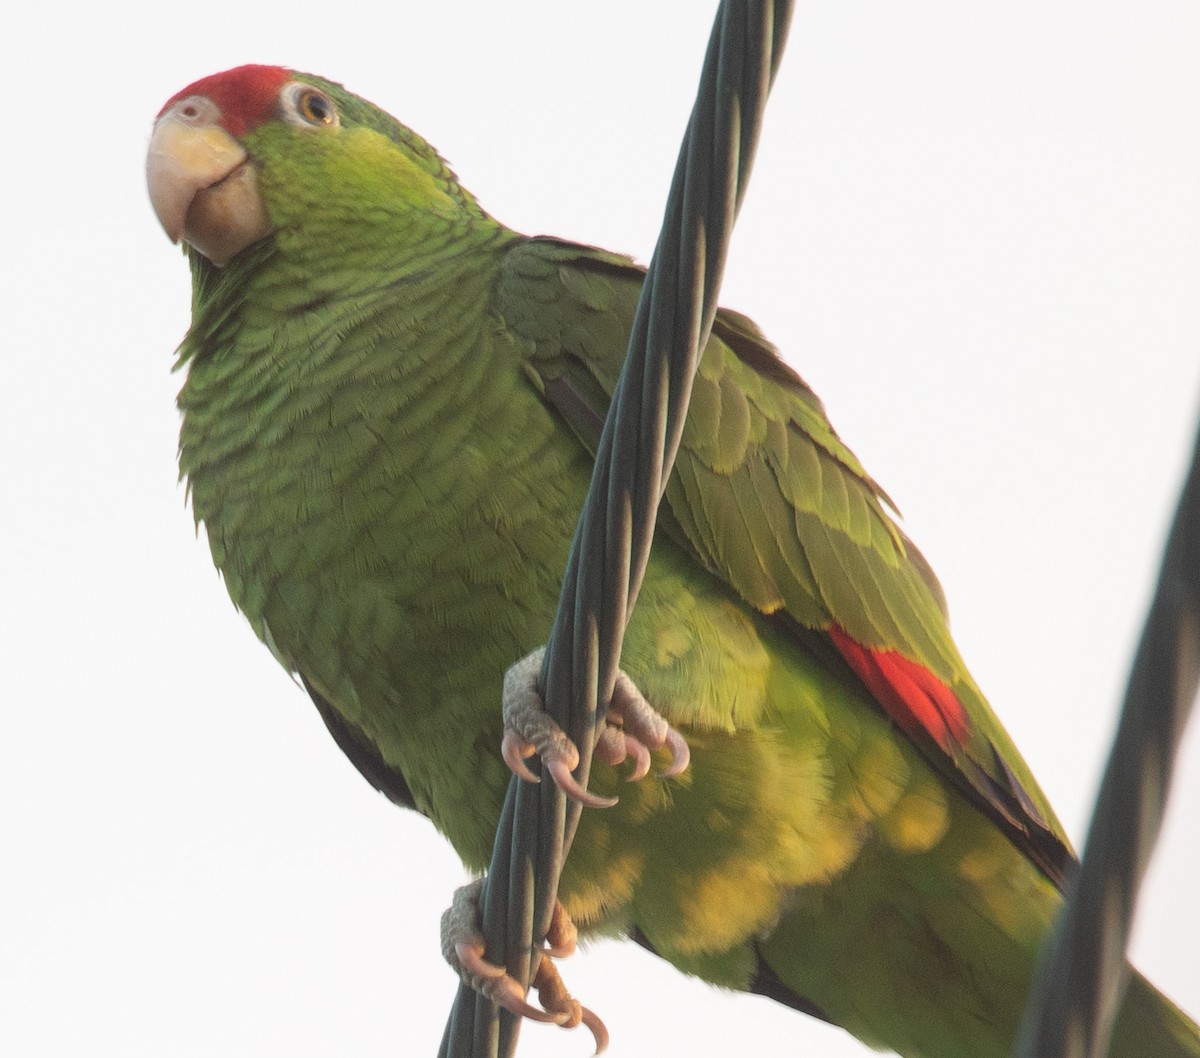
{"x": 246, "y": 95}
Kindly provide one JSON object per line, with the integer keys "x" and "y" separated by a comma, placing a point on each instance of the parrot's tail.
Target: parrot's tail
{"x": 1151, "y": 1026}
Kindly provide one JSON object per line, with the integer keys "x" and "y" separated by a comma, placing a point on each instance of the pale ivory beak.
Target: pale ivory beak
{"x": 202, "y": 185}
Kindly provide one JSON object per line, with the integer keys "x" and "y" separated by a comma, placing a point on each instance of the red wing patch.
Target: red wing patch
{"x": 916, "y": 699}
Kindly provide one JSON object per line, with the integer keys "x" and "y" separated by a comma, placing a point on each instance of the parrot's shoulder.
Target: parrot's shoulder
{"x": 755, "y": 430}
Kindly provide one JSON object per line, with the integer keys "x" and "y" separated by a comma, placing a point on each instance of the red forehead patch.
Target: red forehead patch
{"x": 245, "y": 95}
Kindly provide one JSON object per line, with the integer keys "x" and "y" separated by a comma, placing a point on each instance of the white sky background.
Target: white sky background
{"x": 975, "y": 230}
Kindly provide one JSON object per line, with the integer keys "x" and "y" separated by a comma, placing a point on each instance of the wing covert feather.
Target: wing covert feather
{"x": 770, "y": 500}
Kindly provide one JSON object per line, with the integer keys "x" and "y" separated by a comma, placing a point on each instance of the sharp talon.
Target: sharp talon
{"x": 528, "y": 1010}
{"x": 567, "y": 783}
{"x": 641, "y": 759}
{"x": 598, "y": 1029}
{"x": 645, "y": 728}
{"x": 514, "y": 751}
{"x": 634, "y": 728}
{"x": 681, "y": 755}
{"x": 529, "y": 729}
{"x": 554, "y": 995}
{"x": 493, "y": 982}
{"x": 508, "y": 995}
{"x": 463, "y": 948}
{"x": 472, "y": 960}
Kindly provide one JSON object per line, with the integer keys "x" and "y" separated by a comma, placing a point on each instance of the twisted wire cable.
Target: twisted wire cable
{"x": 636, "y": 452}
{"x": 1078, "y": 989}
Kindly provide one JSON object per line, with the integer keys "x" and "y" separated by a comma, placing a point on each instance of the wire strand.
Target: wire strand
{"x": 1078, "y": 988}
{"x": 633, "y": 461}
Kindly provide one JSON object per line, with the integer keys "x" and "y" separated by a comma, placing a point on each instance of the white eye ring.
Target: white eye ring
{"x": 308, "y": 107}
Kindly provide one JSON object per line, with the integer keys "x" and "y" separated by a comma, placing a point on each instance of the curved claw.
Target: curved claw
{"x": 565, "y": 781}
{"x": 554, "y": 996}
{"x": 641, "y": 758}
{"x": 591, "y": 1019}
{"x": 634, "y": 729}
{"x": 681, "y": 755}
{"x": 495, "y": 983}
{"x": 597, "y": 1028}
{"x": 470, "y": 956}
{"x": 514, "y": 750}
{"x": 463, "y": 948}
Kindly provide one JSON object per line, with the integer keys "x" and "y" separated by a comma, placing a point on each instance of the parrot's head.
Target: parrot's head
{"x": 263, "y": 151}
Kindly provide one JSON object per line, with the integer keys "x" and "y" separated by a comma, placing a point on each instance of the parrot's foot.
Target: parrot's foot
{"x": 463, "y": 947}
{"x": 632, "y": 728}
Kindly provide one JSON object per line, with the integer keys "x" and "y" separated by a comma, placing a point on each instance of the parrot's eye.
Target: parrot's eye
{"x": 316, "y": 108}
{"x": 305, "y": 105}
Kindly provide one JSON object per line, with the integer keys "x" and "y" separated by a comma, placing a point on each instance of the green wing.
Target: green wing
{"x": 768, "y": 498}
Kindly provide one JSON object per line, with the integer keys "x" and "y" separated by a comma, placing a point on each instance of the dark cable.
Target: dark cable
{"x": 1078, "y": 989}
{"x": 612, "y": 541}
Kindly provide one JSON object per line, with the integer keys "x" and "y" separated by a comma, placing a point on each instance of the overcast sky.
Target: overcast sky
{"x": 974, "y": 229}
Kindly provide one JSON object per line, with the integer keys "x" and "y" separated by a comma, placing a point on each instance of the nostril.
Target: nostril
{"x": 194, "y": 110}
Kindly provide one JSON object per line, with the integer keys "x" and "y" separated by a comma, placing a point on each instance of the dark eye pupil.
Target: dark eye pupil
{"x": 316, "y": 109}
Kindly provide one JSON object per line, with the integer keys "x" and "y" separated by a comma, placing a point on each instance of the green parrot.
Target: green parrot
{"x": 389, "y": 415}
